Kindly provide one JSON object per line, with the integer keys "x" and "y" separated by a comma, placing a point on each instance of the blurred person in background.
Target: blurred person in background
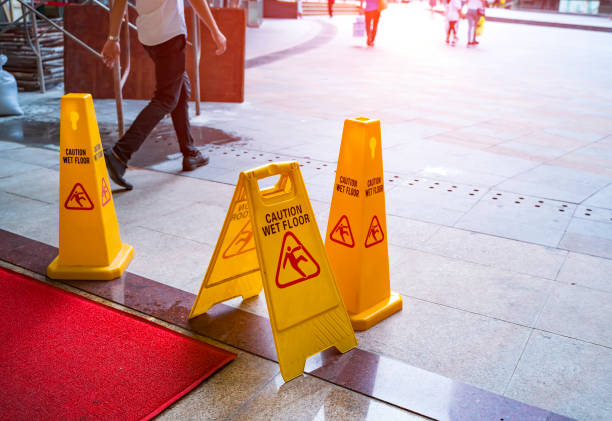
{"x": 372, "y": 15}
{"x": 453, "y": 14}
{"x": 474, "y": 8}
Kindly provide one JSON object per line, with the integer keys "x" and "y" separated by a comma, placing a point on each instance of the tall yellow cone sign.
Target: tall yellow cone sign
{"x": 356, "y": 239}
{"x": 89, "y": 243}
{"x": 270, "y": 238}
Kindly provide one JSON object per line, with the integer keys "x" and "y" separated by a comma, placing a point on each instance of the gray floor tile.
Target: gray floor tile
{"x": 156, "y": 193}
{"x": 491, "y": 163}
{"x": 594, "y": 214}
{"x": 588, "y": 237}
{"x": 28, "y": 217}
{"x": 225, "y": 392}
{"x": 457, "y": 174}
{"x": 166, "y": 258}
{"x": 468, "y": 286}
{"x": 475, "y": 349}
{"x": 503, "y": 253}
{"x": 9, "y": 167}
{"x": 587, "y": 271}
{"x": 495, "y": 132}
{"x": 423, "y": 204}
{"x": 578, "y": 312}
{"x": 556, "y": 182}
{"x": 33, "y": 156}
{"x": 580, "y": 135}
{"x": 199, "y": 222}
{"x": 531, "y": 220}
{"x": 39, "y": 184}
{"x": 6, "y": 145}
{"x": 601, "y": 199}
{"x": 567, "y": 376}
{"x": 409, "y": 233}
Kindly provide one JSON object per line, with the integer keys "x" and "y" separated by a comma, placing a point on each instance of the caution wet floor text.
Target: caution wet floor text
{"x": 270, "y": 239}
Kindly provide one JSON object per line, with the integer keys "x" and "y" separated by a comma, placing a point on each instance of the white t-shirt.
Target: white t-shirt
{"x": 160, "y": 20}
{"x": 452, "y": 10}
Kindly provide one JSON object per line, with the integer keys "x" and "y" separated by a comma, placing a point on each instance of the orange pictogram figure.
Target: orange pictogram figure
{"x": 242, "y": 243}
{"x": 106, "y": 193}
{"x": 342, "y": 233}
{"x": 295, "y": 263}
{"x": 375, "y": 233}
{"x": 78, "y": 199}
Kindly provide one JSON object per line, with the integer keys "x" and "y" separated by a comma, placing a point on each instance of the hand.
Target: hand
{"x": 110, "y": 53}
{"x": 221, "y": 42}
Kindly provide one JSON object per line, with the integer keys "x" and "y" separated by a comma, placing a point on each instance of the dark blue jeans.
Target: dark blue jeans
{"x": 172, "y": 92}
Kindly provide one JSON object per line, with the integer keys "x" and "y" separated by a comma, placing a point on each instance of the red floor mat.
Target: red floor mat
{"x": 63, "y": 357}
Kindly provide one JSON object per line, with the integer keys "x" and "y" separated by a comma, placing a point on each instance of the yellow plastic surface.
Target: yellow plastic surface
{"x": 306, "y": 311}
{"x": 356, "y": 239}
{"x": 89, "y": 242}
{"x": 233, "y": 270}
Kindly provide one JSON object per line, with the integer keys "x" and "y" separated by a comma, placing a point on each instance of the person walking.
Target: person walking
{"x": 473, "y": 15}
{"x": 162, "y": 32}
{"x": 453, "y": 13}
{"x": 372, "y": 15}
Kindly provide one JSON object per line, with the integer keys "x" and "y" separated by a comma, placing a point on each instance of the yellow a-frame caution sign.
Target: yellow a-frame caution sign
{"x": 270, "y": 238}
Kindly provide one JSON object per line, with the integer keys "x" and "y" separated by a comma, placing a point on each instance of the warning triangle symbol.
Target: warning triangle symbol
{"x": 78, "y": 199}
{"x": 242, "y": 243}
{"x": 375, "y": 233}
{"x": 106, "y": 193}
{"x": 295, "y": 263}
{"x": 342, "y": 233}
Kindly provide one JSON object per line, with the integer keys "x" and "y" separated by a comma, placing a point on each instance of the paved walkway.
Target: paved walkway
{"x": 498, "y": 164}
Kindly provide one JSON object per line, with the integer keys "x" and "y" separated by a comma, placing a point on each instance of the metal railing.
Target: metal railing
{"x": 119, "y": 79}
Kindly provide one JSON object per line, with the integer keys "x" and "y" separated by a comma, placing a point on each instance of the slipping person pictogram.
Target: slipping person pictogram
{"x": 106, "y": 193}
{"x": 375, "y": 233}
{"x": 302, "y": 265}
{"x": 342, "y": 233}
{"x": 242, "y": 243}
{"x": 78, "y": 199}
{"x": 295, "y": 261}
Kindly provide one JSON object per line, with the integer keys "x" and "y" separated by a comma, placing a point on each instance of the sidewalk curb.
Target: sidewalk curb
{"x": 551, "y": 24}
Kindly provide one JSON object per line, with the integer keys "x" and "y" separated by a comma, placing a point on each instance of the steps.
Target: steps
{"x": 312, "y": 8}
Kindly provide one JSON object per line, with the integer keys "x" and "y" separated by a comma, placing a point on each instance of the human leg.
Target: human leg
{"x": 369, "y": 15}
{"x": 375, "y": 19}
{"x": 192, "y": 158}
{"x": 169, "y": 60}
{"x": 471, "y": 18}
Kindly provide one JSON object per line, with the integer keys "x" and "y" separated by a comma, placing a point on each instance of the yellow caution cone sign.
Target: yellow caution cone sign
{"x": 270, "y": 239}
{"x": 356, "y": 239}
{"x": 89, "y": 243}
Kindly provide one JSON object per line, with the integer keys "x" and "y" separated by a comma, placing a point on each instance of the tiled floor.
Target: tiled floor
{"x": 513, "y": 298}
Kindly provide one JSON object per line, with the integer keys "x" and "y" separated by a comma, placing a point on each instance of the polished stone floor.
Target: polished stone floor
{"x": 498, "y": 173}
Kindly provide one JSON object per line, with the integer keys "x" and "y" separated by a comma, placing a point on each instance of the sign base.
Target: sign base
{"x": 93, "y": 273}
{"x": 378, "y": 312}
